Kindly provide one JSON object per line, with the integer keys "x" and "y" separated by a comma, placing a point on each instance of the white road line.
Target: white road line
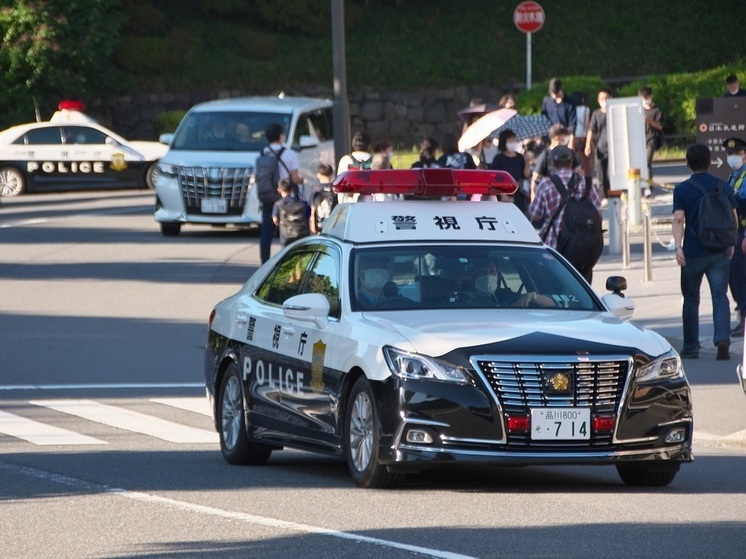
{"x": 119, "y": 386}
{"x": 239, "y": 516}
{"x": 196, "y": 405}
{"x": 130, "y": 420}
{"x": 41, "y": 433}
{"x": 91, "y": 213}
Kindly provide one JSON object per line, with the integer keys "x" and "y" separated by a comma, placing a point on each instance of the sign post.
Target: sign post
{"x": 528, "y": 18}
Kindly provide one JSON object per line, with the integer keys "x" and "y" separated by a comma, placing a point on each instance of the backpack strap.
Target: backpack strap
{"x": 572, "y": 183}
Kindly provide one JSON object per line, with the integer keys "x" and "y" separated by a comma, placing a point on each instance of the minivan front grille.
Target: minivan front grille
{"x": 229, "y": 184}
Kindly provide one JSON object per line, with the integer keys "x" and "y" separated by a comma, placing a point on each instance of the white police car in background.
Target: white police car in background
{"x": 414, "y": 334}
{"x": 72, "y": 151}
{"x": 205, "y": 177}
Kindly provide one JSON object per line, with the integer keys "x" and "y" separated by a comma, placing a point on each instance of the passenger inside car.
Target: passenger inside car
{"x": 374, "y": 285}
{"x": 490, "y": 287}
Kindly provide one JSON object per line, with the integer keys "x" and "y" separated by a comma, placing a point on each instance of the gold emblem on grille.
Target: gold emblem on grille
{"x": 560, "y": 382}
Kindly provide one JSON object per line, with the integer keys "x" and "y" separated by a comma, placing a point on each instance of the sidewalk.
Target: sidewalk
{"x": 658, "y": 301}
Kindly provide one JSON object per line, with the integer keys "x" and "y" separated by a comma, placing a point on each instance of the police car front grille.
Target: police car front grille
{"x": 524, "y": 384}
{"x": 229, "y": 184}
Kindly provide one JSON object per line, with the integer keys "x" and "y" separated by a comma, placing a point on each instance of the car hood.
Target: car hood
{"x": 184, "y": 158}
{"x": 437, "y": 333}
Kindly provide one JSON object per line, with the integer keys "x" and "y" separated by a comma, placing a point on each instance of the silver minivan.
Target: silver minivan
{"x": 206, "y": 175}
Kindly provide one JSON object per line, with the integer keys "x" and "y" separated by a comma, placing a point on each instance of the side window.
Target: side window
{"x": 43, "y": 136}
{"x": 84, "y": 135}
{"x": 301, "y": 129}
{"x": 321, "y": 121}
{"x": 287, "y": 279}
{"x": 324, "y": 279}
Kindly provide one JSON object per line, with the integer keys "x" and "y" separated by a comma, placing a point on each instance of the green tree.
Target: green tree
{"x": 53, "y": 49}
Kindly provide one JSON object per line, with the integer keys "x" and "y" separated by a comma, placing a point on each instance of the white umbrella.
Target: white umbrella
{"x": 483, "y": 127}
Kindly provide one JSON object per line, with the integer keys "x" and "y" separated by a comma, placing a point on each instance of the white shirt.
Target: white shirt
{"x": 288, "y": 157}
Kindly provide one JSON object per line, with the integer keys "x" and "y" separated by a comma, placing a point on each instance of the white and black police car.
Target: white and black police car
{"x": 71, "y": 151}
{"x": 416, "y": 334}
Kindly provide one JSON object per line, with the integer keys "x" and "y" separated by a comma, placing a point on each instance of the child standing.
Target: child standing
{"x": 290, "y": 214}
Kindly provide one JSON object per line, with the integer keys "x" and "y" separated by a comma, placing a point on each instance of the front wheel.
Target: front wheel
{"x": 362, "y": 434}
{"x": 150, "y": 176}
{"x": 234, "y": 441}
{"x": 12, "y": 182}
{"x": 637, "y": 475}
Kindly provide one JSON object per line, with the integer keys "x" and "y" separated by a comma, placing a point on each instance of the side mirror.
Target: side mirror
{"x": 166, "y": 138}
{"x": 308, "y": 307}
{"x": 305, "y": 142}
{"x": 111, "y": 142}
{"x": 616, "y": 284}
{"x": 620, "y": 306}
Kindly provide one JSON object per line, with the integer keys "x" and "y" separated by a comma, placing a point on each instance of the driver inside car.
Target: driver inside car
{"x": 488, "y": 289}
{"x": 374, "y": 283}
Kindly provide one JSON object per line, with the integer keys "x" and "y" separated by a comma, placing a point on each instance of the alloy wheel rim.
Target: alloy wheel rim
{"x": 361, "y": 432}
{"x": 231, "y": 413}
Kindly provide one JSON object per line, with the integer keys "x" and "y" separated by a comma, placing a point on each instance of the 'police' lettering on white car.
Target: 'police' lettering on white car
{"x": 66, "y": 167}
{"x": 274, "y": 376}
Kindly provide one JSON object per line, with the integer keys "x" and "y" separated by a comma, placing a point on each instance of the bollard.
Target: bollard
{"x": 634, "y": 201}
{"x": 647, "y": 246}
{"x": 614, "y": 213}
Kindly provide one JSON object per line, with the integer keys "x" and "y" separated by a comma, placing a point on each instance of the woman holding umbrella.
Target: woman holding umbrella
{"x": 508, "y": 159}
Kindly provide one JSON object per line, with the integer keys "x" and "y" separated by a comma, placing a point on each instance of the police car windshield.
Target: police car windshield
{"x": 465, "y": 277}
{"x": 226, "y": 131}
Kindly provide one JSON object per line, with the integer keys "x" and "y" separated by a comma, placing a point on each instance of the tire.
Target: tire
{"x": 647, "y": 476}
{"x": 12, "y": 182}
{"x": 362, "y": 431}
{"x": 149, "y": 181}
{"x": 234, "y": 441}
{"x": 170, "y": 229}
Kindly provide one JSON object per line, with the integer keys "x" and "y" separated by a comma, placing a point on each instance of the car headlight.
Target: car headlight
{"x": 665, "y": 367}
{"x": 414, "y": 366}
{"x": 166, "y": 170}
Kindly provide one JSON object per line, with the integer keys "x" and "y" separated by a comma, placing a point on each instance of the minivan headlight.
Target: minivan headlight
{"x": 415, "y": 366}
{"x": 666, "y": 367}
{"x": 166, "y": 170}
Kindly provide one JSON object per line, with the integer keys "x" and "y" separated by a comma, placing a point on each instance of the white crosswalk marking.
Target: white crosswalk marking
{"x": 130, "y": 420}
{"x": 196, "y": 405}
{"x": 41, "y": 433}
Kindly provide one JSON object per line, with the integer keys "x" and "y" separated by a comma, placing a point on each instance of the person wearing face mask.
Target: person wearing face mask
{"x": 653, "y": 130}
{"x": 373, "y": 282}
{"x": 558, "y": 136}
{"x": 736, "y": 151}
{"x": 598, "y": 141}
{"x": 508, "y": 159}
{"x": 488, "y": 290}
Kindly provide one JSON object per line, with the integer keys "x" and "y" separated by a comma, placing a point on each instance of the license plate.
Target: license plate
{"x": 560, "y": 424}
{"x": 214, "y": 206}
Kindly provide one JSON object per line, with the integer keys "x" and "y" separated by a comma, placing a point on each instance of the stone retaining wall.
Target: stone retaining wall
{"x": 400, "y": 116}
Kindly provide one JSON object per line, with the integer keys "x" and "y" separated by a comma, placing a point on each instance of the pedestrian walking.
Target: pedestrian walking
{"x": 559, "y": 109}
{"x": 598, "y": 141}
{"x": 736, "y": 151}
{"x": 653, "y": 131}
{"x": 696, "y": 259}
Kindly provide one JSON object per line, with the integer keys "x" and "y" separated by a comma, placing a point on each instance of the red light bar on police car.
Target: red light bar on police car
{"x": 425, "y": 182}
{"x": 71, "y": 105}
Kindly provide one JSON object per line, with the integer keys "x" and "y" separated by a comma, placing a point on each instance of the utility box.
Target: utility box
{"x": 625, "y": 125}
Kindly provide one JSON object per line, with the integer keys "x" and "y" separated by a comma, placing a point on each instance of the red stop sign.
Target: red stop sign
{"x": 528, "y": 17}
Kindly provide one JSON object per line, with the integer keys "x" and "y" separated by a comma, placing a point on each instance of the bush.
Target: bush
{"x": 168, "y": 122}
{"x": 257, "y": 45}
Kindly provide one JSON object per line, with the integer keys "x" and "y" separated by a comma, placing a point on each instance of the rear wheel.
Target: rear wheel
{"x": 362, "y": 434}
{"x": 647, "y": 476}
{"x": 234, "y": 441}
{"x": 12, "y": 182}
{"x": 170, "y": 229}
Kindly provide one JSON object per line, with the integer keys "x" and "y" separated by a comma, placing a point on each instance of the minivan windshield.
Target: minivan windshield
{"x": 227, "y": 130}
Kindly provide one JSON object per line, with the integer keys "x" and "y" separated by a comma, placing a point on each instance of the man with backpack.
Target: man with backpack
{"x": 569, "y": 212}
{"x": 275, "y": 162}
{"x": 704, "y": 231}
{"x": 290, "y": 214}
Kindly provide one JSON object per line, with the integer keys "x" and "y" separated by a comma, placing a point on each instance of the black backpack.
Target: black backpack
{"x": 581, "y": 237}
{"x": 716, "y": 226}
{"x": 293, "y": 213}
{"x": 359, "y": 163}
{"x": 267, "y": 175}
{"x": 324, "y": 202}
